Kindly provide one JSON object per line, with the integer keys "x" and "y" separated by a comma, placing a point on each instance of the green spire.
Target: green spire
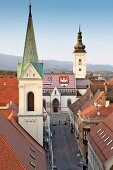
{"x": 30, "y": 51}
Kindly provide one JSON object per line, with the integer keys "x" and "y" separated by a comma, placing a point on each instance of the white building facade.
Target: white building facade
{"x": 59, "y": 91}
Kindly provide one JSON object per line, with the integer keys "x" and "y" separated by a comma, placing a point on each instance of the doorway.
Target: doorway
{"x": 55, "y": 105}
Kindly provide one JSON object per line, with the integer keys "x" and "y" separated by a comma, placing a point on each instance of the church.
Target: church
{"x": 62, "y": 89}
{"x": 33, "y": 90}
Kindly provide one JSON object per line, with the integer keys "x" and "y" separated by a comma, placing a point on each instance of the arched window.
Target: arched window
{"x": 44, "y": 103}
{"x": 30, "y": 101}
{"x": 68, "y": 102}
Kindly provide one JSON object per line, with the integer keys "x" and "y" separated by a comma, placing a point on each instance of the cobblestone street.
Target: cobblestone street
{"x": 65, "y": 149}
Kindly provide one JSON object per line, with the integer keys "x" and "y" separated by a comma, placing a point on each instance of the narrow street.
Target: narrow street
{"x": 65, "y": 149}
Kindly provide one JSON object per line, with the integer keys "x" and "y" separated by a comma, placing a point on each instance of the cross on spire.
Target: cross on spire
{"x": 30, "y": 9}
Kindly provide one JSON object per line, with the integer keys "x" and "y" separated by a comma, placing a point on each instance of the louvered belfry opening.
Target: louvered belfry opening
{"x": 30, "y": 101}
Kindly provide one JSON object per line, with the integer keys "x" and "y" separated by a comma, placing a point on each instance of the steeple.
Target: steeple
{"x": 30, "y": 55}
{"x": 30, "y": 51}
{"x": 79, "y": 47}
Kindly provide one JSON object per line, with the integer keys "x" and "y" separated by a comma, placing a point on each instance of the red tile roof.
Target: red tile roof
{"x": 22, "y": 144}
{"x": 96, "y": 97}
{"x": 81, "y": 101}
{"x": 87, "y": 110}
{"x": 6, "y": 112}
{"x": 98, "y": 112}
{"x": 9, "y": 90}
{"x": 53, "y": 79}
{"x": 8, "y": 158}
{"x": 101, "y": 139}
{"x": 109, "y": 82}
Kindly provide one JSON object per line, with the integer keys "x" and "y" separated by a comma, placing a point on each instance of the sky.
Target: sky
{"x": 56, "y": 25}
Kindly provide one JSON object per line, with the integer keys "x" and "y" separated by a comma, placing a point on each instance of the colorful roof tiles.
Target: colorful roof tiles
{"x": 60, "y": 80}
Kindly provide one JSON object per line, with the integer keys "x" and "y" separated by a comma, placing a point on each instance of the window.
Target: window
{"x": 44, "y": 103}
{"x": 80, "y": 62}
{"x": 68, "y": 102}
{"x": 30, "y": 101}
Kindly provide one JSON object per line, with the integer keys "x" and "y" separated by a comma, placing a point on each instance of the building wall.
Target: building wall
{"x": 109, "y": 164}
{"x": 48, "y": 103}
{"x": 31, "y": 121}
{"x": 25, "y": 87}
{"x": 93, "y": 161}
{"x": 77, "y": 65}
{"x": 82, "y": 91}
{"x": 33, "y": 125}
{"x": 62, "y": 102}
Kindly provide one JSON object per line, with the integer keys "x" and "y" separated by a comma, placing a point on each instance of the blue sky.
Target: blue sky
{"x": 56, "y": 25}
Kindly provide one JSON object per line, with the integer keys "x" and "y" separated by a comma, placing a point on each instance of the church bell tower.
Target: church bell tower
{"x": 79, "y": 54}
{"x": 30, "y": 75}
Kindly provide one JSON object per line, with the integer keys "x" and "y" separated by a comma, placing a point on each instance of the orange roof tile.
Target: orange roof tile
{"x": 8, "y": 158}
{"x": 87, "y": 110}
{"x": 81, "y": 101}
{"x": 6, "y": 112}
{"x": 96, "y": 97}
{"x": 101, "y": 112}
{"x": 9, "y": 90}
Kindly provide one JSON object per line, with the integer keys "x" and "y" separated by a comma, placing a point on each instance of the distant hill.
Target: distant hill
{"x": 9, "y": 62}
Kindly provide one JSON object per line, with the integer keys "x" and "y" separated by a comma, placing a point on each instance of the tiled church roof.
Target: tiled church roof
{"x": 52, "y": 79}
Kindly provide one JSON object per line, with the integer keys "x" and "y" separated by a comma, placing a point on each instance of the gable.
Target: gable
{"x": 55, "y": 92}
{"x": 30, "y": 72}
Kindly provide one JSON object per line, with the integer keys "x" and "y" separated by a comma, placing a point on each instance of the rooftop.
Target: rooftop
{"x": 101, "y": 139}
{"x": 19, "y": 149}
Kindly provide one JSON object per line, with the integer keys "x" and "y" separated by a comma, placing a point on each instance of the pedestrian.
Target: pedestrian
{"x": 59, "y": 122}
{"x": 54, "y": 132}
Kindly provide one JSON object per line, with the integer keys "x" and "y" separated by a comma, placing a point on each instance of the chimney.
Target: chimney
{"x": 107, "y": 103}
